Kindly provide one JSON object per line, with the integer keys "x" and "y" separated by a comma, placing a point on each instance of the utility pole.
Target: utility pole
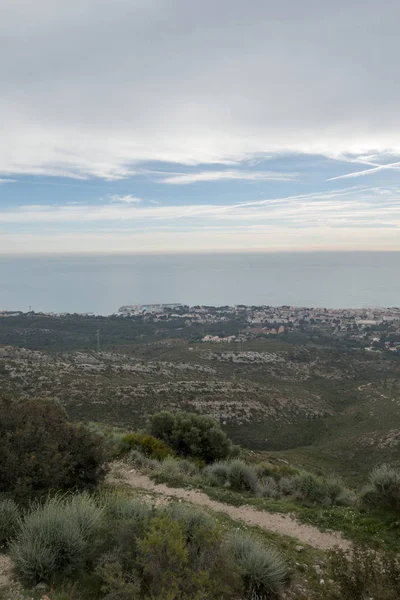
{"x": 98, "y": 340}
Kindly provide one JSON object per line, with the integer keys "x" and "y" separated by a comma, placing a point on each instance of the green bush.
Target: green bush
{"x": 361, "y": 574}
{"x": 268, "y": 488}
{"x": 286, "y": 486}
{"x": 117, "y": 584}
{"x": 147, "y": 444}
{"x": 176, "y": 472}
{"x": 318, "y": 490}
{"x": 180, "y": 555}
{"x": 383, "y": 489}
{"x": 217, "y": 474}
{"x": 242, "y": 477}
{"x": 40, "y": 450}
{"x": 55, "y": 539}
{"x": 266, "y": 469}
{"x": 190, "y": 517}
{"x": 264, "y": 570}
{"x": 119, "y": 506}
{"x": 9, "y": 520}
{"x": 189, "y": 434}
{"x": 311, "y": 488}
{"x": 187, "y": 467}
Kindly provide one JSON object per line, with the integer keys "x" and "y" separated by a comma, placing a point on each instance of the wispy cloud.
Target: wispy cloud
{"x": 376, "y": 169}
{"x": 125, "y": 199}
{"x": 349, "y": 207}
{"x": 187, "y": 178}
{"x": 7, "y": 180}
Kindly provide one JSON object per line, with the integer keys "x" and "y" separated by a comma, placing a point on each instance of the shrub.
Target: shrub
{"x": 346, "y": 498}
{"x": 117, "y": 584}
{"x": 384, "y": 488}
{"x": 277, "y": 471}
{"x": 362, "y": 573}
{"x": 179, "y": 556}
{"x": 118, "y": 506}
{"x": 264, "y": 570}
{"x": 9, "y": 519}
{"x": 268, "y": 488}
{"x": 311, "y": 488}
{"x": 190, "y": 517}
{"x": 176, "y": 472}
{"x": 138, "y": 459}
{"x": 242, "y": 477}
{"x": 217, "y": 474}
{"x": 55, "y": 539}
{"x": 187, "y": 467}
{"x": 189, "y": 434}
{"x": 319, "y": 490}
{"x": 40, "y": 450}
{"x": 147, "y": 444}
{"x": 84, "y": 512}
{"x": 286, "y": 486}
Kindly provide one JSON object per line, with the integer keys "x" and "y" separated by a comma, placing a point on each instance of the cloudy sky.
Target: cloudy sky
{"x": 177, "y": 125}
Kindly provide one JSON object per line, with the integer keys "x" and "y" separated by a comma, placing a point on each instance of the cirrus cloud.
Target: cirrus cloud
{"x": 90, "y": 88}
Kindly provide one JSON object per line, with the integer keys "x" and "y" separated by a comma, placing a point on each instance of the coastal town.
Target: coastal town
{"x": 375, "y": 329}
{"x": 379, "y": 327}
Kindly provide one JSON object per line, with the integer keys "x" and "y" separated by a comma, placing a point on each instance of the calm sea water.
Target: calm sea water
{"x": 101, "y": 284}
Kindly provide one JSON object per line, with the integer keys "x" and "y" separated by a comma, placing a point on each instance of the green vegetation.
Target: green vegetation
{"x": 149, "y": 445}
{"x": 383, "y": 489}
{"x": 362, "y": 574}
{"x": 9, "y": 519}
{"x": 316, "y": 399}
{"x": 55, "y": 540}
{"x": 130, "y": 550}
{"x": 238, "y": 476}
{"x": 303, "y": 405}
{"x": 264, "y": 569}
{"x": 191, "y": 435}
{"x": 40, "y": 450}
{"x": 235, "y": 474}
{"x": 319, "y": 501}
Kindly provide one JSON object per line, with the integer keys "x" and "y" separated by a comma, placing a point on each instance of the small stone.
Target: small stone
{"x": 40, "y": 586}
{"x": 322, "y": 581}
{"x": 318, "y": 570}
{"x": 299, "y": 548}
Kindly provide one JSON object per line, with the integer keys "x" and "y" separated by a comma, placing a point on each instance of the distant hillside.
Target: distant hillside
{"x": 322, "y": 405}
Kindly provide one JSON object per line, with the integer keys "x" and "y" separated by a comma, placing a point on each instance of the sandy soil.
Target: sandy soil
{"x": 5, "y": 570}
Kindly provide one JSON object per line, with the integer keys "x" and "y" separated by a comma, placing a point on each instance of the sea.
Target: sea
{"x": 100, "y": 284}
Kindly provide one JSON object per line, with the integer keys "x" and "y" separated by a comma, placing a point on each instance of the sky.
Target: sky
{"x": 162, "y": 126}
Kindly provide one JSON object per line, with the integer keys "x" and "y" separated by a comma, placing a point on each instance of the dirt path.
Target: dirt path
{"x": 5, "y": 571}
{"x": 364, "y": 386}
{"x": 278, "y": 523}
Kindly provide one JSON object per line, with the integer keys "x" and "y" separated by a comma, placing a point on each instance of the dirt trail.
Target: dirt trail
{"x": 278, "y": 523}
{"x": 5, "y": 571}
{"x": 364, "y": 386}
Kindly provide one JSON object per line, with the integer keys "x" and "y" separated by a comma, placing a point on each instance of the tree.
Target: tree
{"x": 189, "y": 434}
{"x": 40, "y": 450}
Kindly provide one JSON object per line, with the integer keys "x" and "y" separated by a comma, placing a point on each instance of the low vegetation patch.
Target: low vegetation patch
{"x": 9, "y": 520}
{"x": 147, "y": 444}
{"x": 264, "y": 569}
{"x": 383, "y": 489}
{"x": 55, "y": 539}
{"x": 129, "y": 549}
{"x": 361, "y": 574}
